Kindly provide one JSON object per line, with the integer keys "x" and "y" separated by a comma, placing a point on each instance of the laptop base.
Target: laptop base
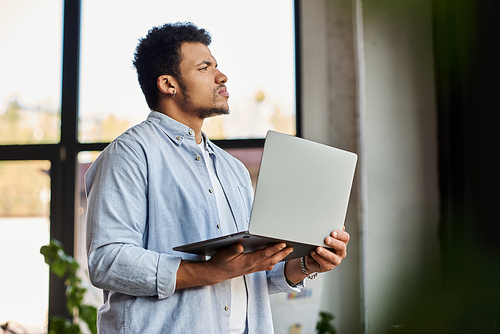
{"x": 249, "y": 241}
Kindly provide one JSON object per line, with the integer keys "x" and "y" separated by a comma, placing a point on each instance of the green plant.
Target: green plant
{"x": 65, "y": 266}
{"x": 323, "y": 326}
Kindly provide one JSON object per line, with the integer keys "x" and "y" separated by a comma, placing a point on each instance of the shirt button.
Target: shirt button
{"x": 178, "y": 137}
{"x": 210, "y": 191}
{"x": 226, "y": 308}
{"x": 198, "y": 157}
{"x": 191, "y": 132}
{"x": 218, "y": 226}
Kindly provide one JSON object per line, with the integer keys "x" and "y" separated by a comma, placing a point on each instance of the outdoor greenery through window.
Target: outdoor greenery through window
{"x": 30, "y": 100}
{"x": 24, "y": 228}
{"x": 253, "y": 43}
{"x": 30, "y": 71}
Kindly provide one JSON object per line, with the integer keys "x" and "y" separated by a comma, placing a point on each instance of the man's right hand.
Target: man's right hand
{"x": 229, "y": 263}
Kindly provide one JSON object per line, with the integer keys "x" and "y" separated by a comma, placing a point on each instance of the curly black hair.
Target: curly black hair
{"x": 159, "y": 53}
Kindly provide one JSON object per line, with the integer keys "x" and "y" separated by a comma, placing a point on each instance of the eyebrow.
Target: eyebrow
{"x": 206, "y": 62}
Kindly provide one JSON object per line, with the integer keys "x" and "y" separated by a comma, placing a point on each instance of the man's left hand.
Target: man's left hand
{"x": 322, "y": 259}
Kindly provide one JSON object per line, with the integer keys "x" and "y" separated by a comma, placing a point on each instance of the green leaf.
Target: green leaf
{"x": 323, "y": 326}
{"x": 88, "y": 314}
{"x": 62, "y": 264}
{"x": 60, "y": 325}
{"x": 58, "y": 268}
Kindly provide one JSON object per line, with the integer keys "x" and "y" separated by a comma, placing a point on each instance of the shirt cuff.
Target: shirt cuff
{"x": 279, "y": 281}
{"x": 166, "y": 277}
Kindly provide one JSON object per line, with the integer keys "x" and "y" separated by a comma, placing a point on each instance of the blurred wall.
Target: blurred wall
{"x": 368, "y": 87}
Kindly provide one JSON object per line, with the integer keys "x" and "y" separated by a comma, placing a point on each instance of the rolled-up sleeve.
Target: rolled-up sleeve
{"x": 116, "y": 223}
{"x": 277, "y": 280}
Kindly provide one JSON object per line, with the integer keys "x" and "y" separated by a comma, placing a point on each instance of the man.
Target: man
{"x": 163, "y": 183}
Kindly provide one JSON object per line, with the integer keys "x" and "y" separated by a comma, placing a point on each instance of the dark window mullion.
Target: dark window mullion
{"x": 28, "y": 152}
{"x": 63, "y": 170}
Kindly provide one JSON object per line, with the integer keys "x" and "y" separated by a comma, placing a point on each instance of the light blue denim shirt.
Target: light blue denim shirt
{"x": 149, "y": 191}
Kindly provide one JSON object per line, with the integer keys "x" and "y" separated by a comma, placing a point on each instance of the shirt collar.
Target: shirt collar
{"x": 175, "y": 130}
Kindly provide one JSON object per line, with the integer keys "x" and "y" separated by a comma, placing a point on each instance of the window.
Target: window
{"x": 252, "y": 42}
{"x": 57, "y": 113}
{"x": 30, "y": 35}
{"x": 24, "y": 227}
{"x": 30, "y": 97}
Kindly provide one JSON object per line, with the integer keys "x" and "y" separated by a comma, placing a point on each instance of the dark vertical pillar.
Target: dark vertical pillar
{"x": 64, "y": 166}
{"x": 467, "y": 72}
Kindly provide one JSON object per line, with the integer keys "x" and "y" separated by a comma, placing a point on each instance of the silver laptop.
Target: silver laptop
{"x": 301, "y": 196}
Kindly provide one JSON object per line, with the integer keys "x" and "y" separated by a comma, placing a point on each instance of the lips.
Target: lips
{"x": 223, "y": 91}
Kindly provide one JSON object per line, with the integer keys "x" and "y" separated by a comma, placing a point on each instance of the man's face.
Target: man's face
{"x": 202, "y": 85}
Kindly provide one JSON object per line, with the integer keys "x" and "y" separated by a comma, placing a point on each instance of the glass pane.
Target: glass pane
{"x": 251, "y": 158}
{"x": 24, "y": 228}
{"x": 253, "y": 42}
{"x": 30, "y": 80}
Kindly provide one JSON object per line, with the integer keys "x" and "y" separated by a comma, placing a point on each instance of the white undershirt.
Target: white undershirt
{"x": 238, "y": 315}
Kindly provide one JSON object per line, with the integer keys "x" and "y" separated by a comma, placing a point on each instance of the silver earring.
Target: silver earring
{"x": 173, "y": 95}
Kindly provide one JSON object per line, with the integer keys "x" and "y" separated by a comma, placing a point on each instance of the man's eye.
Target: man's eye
{"x": 204, "y": 68}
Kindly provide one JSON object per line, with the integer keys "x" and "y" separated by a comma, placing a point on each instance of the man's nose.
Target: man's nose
{"x": 220, "y": 77}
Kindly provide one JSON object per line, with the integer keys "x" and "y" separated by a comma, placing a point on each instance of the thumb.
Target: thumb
{"x": 235, "y": 250}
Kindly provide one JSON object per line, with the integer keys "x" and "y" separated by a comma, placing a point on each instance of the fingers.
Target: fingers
{"x": 223, "y": 256}
{"x": 340, "y": 235}
{"x": 271, "y": 250}
{"x": 235, "y": 250}
{"x": 271, "y": 255}
{"x": 328, "y": 259}
{"x": 339, "y": 247}
{"x": 267, "y": 258}
{"x": 228, "y": 254}
{"x": 236, "y": 263}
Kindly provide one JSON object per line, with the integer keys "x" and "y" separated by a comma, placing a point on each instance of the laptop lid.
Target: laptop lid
{"x": 302, "y": 194}
{"x": 302, "y": 191}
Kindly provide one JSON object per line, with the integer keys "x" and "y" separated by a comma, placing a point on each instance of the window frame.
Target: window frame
{"x": 63, "y": 155}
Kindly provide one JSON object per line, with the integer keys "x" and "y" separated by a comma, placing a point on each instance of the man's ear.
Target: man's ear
{"x": 166, "y": 84}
